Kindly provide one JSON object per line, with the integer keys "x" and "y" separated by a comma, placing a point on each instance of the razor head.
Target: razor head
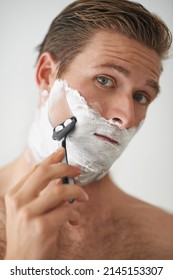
{"x": 62, "y": 130}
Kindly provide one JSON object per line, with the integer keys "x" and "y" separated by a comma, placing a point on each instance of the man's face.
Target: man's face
{"x": 117, "y": 76}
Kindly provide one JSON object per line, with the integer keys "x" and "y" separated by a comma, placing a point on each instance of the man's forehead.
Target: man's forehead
{"x": 106, "y": 46}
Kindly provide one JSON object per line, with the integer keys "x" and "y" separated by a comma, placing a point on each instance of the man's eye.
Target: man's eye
{"x": 105, "y": 81}
{"x": 140, "y": 98}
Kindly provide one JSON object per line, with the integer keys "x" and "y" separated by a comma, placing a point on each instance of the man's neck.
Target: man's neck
{"x": 103, "y": 195}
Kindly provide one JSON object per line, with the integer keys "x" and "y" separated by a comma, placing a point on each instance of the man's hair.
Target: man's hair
{"x": 73, "y": 28}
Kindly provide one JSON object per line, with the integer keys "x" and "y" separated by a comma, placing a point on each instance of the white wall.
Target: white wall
{"x": 146, "y": 167}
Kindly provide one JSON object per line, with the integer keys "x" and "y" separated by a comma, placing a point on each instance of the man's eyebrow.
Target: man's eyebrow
{"x": 154, "y": 85}
{"x": 151, "y": 83}
{"x": 116, "y": 67}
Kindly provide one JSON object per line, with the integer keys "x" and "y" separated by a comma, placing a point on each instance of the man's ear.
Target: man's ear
{"x": 46, "y": 72}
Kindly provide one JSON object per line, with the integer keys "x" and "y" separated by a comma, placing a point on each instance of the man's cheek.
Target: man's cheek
{"x": 59, "y": 110}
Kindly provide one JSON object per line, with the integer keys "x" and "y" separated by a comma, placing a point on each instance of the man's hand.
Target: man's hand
{"x": 36, "y": 209}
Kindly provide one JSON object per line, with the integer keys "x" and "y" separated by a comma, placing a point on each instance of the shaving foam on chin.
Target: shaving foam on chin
{"x": 93, "y": 155}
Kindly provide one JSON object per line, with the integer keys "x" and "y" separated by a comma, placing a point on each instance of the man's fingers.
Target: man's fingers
{"x": 54, "y": 197}
{"x": 19, "y": 184}
{"x": 55, "y": 157}
{"x": 42, "y": 176}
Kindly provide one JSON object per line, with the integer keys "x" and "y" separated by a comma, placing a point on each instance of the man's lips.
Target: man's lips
{"x": 106, "y": 138}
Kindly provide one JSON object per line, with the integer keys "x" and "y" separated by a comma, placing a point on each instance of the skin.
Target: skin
{"x": 122, "y": 77}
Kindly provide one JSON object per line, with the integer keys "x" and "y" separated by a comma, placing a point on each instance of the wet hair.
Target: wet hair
{"x": 74, "y": 27}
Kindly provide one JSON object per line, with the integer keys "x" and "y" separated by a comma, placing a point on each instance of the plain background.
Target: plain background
{"x": 145, "y": 169}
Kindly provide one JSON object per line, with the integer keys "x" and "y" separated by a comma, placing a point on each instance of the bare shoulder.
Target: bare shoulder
{"x": 2, "y": 229}
{"x": 155, "y": 227}
{"x": 159, "y": 218}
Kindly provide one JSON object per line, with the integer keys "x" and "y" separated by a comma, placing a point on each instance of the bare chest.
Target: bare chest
{"x": 116, "y": 238}
{"x": 107, "y": 241}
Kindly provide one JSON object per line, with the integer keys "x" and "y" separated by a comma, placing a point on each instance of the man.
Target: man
{"x": 101, "y": 63}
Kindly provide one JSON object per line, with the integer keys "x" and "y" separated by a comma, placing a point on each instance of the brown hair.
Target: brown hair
{"x": 72, "y": 29}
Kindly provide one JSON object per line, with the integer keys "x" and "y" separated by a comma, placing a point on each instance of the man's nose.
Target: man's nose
{"x": 122, "y": 110}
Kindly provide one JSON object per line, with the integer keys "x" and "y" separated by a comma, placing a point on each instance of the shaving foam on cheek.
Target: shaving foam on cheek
{"x": 93, "y": 154}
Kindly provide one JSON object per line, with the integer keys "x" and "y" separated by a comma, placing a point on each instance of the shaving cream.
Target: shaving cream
{"x": 93, "y": 154}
